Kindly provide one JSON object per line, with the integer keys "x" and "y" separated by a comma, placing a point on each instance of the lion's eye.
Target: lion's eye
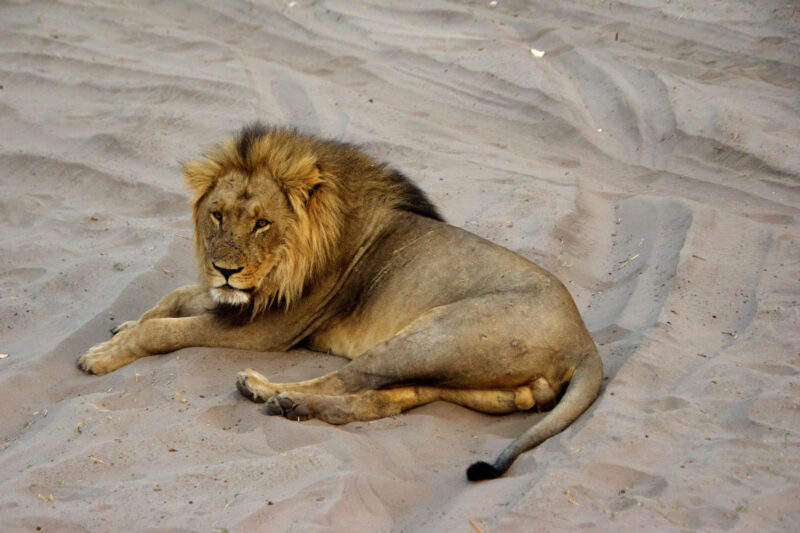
{"x": 262, "y": 223}
{"x": 217, "y": 215}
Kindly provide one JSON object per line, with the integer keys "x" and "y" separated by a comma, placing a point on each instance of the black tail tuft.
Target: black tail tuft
{"x": 480, "y": 471}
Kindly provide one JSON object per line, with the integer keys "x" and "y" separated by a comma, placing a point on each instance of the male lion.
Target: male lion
{"x": 306, "y": 242}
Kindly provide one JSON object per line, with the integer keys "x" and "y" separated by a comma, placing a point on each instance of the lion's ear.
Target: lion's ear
{"x": 301, "y": 186}
{"x": 201, "y": 176}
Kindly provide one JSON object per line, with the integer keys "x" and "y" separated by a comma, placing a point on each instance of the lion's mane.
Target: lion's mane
{"x": 328, "y": 185}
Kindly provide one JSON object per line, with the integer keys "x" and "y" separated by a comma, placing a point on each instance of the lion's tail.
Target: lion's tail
{"x": 581, "y": 392}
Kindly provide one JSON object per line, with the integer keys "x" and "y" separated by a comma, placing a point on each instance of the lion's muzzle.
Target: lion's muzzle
{"x": 228, "y": 295}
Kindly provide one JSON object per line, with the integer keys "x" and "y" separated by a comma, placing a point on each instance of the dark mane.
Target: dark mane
{"x": 234, "y": 315}
{"x": 250, "y": 134}
{"x": 413, "y": 198}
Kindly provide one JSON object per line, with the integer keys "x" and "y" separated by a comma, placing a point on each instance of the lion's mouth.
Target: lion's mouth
{"x": 228, "y": 286}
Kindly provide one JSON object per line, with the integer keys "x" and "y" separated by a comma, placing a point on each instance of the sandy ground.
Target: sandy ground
{"x": 650, "y": 159}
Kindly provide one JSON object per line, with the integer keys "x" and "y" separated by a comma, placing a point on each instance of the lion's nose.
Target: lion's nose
{"x": 227, "y": 272}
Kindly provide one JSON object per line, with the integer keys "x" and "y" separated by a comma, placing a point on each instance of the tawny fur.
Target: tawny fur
{"x": 315, "y": 243}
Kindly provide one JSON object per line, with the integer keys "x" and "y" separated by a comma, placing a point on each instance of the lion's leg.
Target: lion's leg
{"x": 189, "y": 300}
{"x": 162, "y": 335}
{"x": 255, "y": 386}
{"x": 455, "y": 346}
{"x": 373, "y": 404}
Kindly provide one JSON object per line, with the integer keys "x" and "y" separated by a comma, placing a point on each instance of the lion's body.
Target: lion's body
{"x": 309, "y": 242}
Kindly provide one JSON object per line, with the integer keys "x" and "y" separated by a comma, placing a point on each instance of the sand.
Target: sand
{"x": 649, "y": 158}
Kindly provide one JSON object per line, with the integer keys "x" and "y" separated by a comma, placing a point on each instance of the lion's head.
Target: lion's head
{"x": 267, "y": 217}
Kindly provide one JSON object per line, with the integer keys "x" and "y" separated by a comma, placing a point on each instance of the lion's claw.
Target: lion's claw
{"x": 298, "y": 412}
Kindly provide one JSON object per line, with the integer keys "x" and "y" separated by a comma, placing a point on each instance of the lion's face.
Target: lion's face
{"x": 268, "y": 217}
{"x": 241, "y": 223}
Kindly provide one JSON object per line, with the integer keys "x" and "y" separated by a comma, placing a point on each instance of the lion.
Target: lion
{"x": 308, "y": 242}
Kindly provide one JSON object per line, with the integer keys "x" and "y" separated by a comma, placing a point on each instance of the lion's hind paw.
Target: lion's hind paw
{"x": 254, "y": 386}
{"x": 282, "y": 405}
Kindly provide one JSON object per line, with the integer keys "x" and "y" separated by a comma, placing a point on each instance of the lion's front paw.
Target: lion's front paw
{"x": 283, "y": 405}
{"x": 106, "y": 357}
{"x": 254, "y": 386}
